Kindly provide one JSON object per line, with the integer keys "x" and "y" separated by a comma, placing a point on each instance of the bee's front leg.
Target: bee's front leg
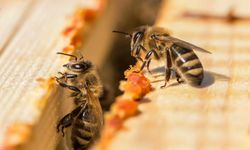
{"x": 68, "y": 75}
{"x": 137, "y": 53}
{"x": 65, "y": 85}
{"x": 65, "y": 76}
{"x": 146, "y": 61}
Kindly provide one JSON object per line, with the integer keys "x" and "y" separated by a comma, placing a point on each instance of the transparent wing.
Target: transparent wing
{"x": 180, "y": 43}
{"x": 93, "y": 113}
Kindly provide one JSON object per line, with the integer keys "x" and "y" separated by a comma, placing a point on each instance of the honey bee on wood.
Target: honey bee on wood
{"x": 149, "y": 43}
{"x": 86, "y": 119}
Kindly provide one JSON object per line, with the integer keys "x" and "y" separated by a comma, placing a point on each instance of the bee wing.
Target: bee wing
{"x": 183, "y": 44}
{"x": 94, "y": 112}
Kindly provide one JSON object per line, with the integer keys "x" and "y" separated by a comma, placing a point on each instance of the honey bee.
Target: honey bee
{"x": 149, "y": 43}
{"x": 86, "y": 119}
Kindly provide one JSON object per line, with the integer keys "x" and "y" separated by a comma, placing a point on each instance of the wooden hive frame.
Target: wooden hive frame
{"x": 32, "y": 32}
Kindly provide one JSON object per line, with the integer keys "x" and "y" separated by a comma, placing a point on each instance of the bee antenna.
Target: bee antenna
{"x": 67, "y": 55}
{"x": 79, "y": 52}
{"x": 125, "y": 33}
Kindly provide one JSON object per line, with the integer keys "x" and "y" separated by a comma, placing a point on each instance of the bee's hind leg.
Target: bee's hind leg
{"x": 178, "y": 77}
{"x": 167, "y": 68}
{"x": 68, "y": 119}
{"x": 65, "y": 122}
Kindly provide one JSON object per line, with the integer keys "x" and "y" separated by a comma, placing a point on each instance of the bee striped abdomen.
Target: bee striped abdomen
{"x": 82, "y": 130}
{"x": 187, "y": 64}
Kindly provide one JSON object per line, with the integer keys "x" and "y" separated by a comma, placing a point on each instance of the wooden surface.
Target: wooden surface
{"x": 30, "y": 36}
{"x": 29, "y": 42}
{"x": 214, "y": 116}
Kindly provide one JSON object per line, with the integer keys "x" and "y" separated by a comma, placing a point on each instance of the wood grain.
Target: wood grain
{"x": 18, "y": 11}
{"x": 31, "y": 34}
{"x": 214, "y": 116}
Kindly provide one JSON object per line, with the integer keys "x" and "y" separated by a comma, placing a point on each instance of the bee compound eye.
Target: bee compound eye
{"x": 83, "y": 66}
{"x": 77, "y": 66}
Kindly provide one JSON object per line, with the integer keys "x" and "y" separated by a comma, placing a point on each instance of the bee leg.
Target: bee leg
{"x": 156, "y": 36}
{"x": 167, "y": 68}
{"x": 137, "y": 53}
{"x": 74, "y": 94}
{"x": 66, "y": 76}
{"x": 178, "y": 77}
{"x": 63, "y": 84}
{"x": 65, "y": 122}
{"x": 70, "y": 76}
{"x": 139, "y": 58}
{"x": 155, "y": 43}
{"x": 68, "y": 119}
{"x": 73, "y": 88}
{"x": 137, "y": 50}
{"x": 143, "y": 48}
{"x": 148, "y": 63}
{"x": 146, "y": 59}
{"x": 142, "y": 66}
{"x": 167, "y": 77}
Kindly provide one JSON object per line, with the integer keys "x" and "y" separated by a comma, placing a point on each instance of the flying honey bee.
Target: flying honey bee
{"x": 86, "y": 119}
{"x": 149, "y": 43}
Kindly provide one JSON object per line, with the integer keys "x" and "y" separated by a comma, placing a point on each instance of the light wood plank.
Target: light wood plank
{"x": 31, "y": 54}
{"x": 17, "y": 11}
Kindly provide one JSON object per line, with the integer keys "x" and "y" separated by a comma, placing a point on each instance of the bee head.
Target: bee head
{"x": 77, "y": 65}
{"x": 136, "y": 38}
